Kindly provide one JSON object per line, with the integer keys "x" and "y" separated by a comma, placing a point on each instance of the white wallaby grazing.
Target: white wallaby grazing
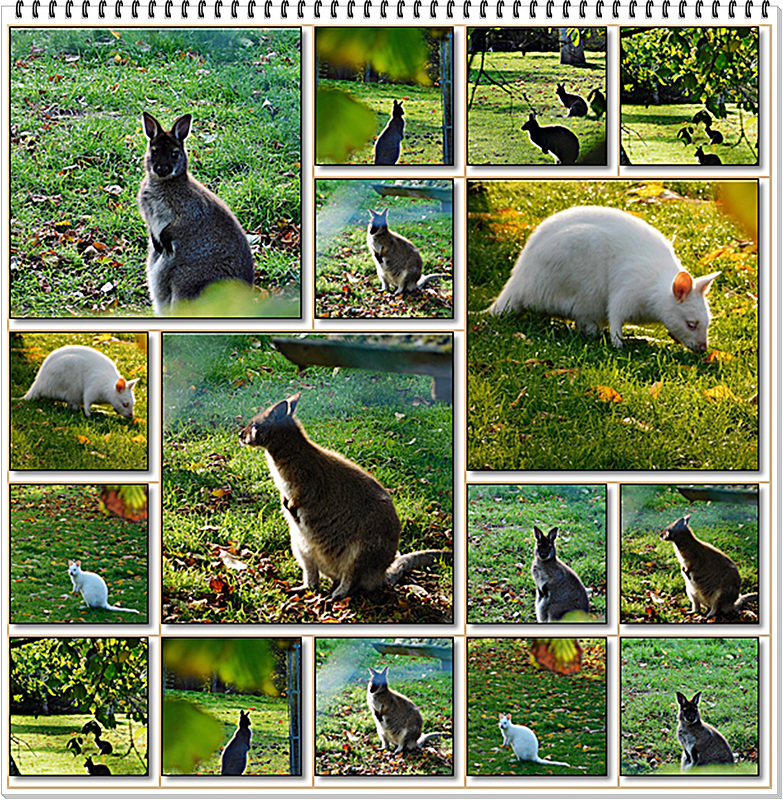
{"x": 524, "y": 742}
{"x": 599, "y": 265}
{"x": 195, "y": 240}
{"x": 92, "y": 588}
{"x": 234, "y": 759}
{"x": 82, "y": 376}
{"x": 555, "y": 139}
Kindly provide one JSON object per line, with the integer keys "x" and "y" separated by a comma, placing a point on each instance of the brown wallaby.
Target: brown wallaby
{"x": 397, "y": 719}
{"x": 576, "y": 105}
{"x": 555, "y": 139}
{"x": 398, "y": 262}
{"x": 707, "y": 159}
{"x": 195, "y": 240}
{"x": 342, "y": 521}
{"x": 387, "y": 146}
{"x": 558, "y": 588}
{"x": 234, "y": 759}
{"x": 96, "y": 769}
{"x": 701, "y": 743}
{"x": 712, "y": 579}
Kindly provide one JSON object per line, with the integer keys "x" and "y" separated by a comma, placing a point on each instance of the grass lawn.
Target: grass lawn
{"x": 725, "y": 671}
{"x": 346, "y": 741}
{"x": 78, "y": 243}
{"x": 566, "y": 712}
{"x": 423, "y": 110}
{"x": 653, "y": 588}
{"x": 47, "y": 435}
{"x": 346, "y": 283}
{"x": 541, "y": 396}
{"x": 220, "y": 503}
{"x": 495, "y": 119}
{"x": 269, "y": 723}
{"x": 501, "y": 546}
{"x": 649, "y": 135}
{"x": 38, "y": 745}
{"x": 51, "y": 524}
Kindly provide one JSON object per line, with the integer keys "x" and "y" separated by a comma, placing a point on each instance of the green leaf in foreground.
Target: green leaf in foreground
{"x": 342, "y": 125}
{"x": 204, "y": 736}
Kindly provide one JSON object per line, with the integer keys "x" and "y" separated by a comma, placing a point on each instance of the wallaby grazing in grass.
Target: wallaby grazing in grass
{"x": 711, "y": 578}
{"x": 397, "y": 719}
{"x": 576, "y": 105}
{"x": 707, "y": 159}
{"x": 105, "y": 748}
{"x": 716, "y": 137}
{"x": 523, "y": 742}
{"x": 195, "y": 239}
{"x": 558, "y": 588}
{"x": 234, "y": 760}
{"x": 96, "y": 769}
{"x": 342, "y": 521}
{"x": 701, "y": 743}
{"x": 555, "y": 139}
{"x": 597, "y": 100}
{"x": 387, "y": 146}
{"x": 398, "y": 261}
{"x": 599, "y": 265}
{"x": 81, "y": 376}
{"x": 92, "y": 588}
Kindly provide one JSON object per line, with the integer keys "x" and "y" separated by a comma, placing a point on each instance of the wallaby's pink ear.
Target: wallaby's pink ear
{"x": 683, "y": 283}
{"x": 151, "y": 126}
{"x": 181, "y": 127}
{"x": 702, "y": 285}
{"x": 120, "y": 385}
{"x": 130, "y": 384}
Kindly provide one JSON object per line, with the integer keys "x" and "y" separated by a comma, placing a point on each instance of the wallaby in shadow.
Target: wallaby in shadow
{"x": 555, "y": 139}
{"x": 96, "y": 769}
{"x": 234, "y": 759}
{"x": 701, "y": 743}
{"x": 707, "y": 159}
{"x": 576, "y": 105}
{"x": 342, "y": 521}
{"x": 195, "y": 239}
{"x": 558, "y": 588}
{"x": 387, "y": 146}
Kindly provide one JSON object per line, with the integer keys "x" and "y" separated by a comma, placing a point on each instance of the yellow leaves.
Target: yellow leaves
{"x": 655, "y": 389}
{"x": 139, "y": 439}
{"x": 606, "y": 394}
{"x": 720, "y": 393}
{"x": 653, "y": 193}
{"x": 718, "y": 356}
{"x": 83, "y": 439}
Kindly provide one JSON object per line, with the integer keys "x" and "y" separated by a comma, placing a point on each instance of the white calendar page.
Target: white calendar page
{"x": 291, "y": 290}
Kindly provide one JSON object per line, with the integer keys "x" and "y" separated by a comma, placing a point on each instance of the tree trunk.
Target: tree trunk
{"x": 570, "y": 53}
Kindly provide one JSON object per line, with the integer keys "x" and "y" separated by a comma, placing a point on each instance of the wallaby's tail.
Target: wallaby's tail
{"x": 744, "y": 599}
{"x": 411, "y": 561}
{"x": 425, "y": 279}
{"x": 120, "y": 608}
{"x": 558, "y": 763}
{"x": 428, "y": 737}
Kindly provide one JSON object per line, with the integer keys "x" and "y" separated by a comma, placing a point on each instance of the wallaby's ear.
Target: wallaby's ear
{"x": 702, "y": 284}
{"x": 537, "y": 532}
{"x": 681, "y": 699}
{"x": 120, "y": 385}
{"x": 686, "y": 519}
{"x": 152, "y": 127}
{"x": 695, "y": 699}
{"x": 681, "y": 288}
{"x": 292, "y": 402}
{"x": 131, "y": 384}
{"x": 552, "y": 535}
{"x": 181, "y": 127}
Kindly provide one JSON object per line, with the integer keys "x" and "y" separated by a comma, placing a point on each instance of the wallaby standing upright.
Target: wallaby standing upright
{"x": 342, "y": 521}
{"x": 92, "y": 588}
{"x": 195, "y": 239}
{"x": 523, "y": 741}
{"x": 397, "y": 719}
{"x": 82, "y": 376}
{"x": 711, "y": 578}
{"x": 558, "y": 588}
{"x": 707, "y": 159}
{"x": 96, "y": 769}
{"x": 716, "y": 137}
{"x": 398, "y": 261}
{"x": 555, "y": 139}
{"x": 234, "y": 759}
{"x": 387, "y": 146}
{"x": 599, "y": 265}
{"x": 701, "y": 743}
{"x": 576, "y": 105}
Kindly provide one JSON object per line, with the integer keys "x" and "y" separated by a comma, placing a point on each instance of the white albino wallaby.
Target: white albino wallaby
{"x": 82, "y": 376}
{"x": 524, "y": 742}
{"x": 602, "y": 266}
{"x": 92, "y": 588}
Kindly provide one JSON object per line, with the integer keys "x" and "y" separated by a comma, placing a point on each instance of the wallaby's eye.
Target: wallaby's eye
{"x": 692, "y": 325}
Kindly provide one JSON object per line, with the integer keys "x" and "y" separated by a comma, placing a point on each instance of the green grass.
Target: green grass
{"x": 653, "y": 589}
{"x": 650, "y": 135}
{"x": 47, "y": 435}
{"x": 346, "y": 283}
{"x": 540, "y": 394}
{"x": 495, "y": 119}
{"x": 501, "y": 546}
{"x": 423, "y": 110}
{"x": 78, "y": 243}
{"x": 51, "y": 525}
{"x": 346, "y": 741}
{"x": 566, "y": 712}
{"x": 38, "y": 745}
{"x": 217, "y": 494}
{"x": 269, "y": 724}
{"x": 725, "y": 671}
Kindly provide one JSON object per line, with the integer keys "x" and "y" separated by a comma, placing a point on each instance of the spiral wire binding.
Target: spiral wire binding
{"x": 582, "y": 10}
